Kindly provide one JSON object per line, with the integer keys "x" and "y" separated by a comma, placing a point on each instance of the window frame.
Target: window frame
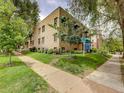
{"x": 55, "y": 37}
{"x": 43, "y": 28}
{"x": 39, "y": 41}
{"x": 55, "y": 21}
{"x": 43, "y": 40}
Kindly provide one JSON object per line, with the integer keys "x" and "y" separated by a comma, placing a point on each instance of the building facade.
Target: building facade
{"x": 45, "y": 37}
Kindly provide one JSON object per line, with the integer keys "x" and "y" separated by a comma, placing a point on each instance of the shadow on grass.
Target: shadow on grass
{"x": 13, "y": 64}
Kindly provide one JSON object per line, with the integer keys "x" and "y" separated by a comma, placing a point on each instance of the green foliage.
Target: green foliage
{"x": 94, "y": 11}
{"x": 69, "y": 31}
{"x": 33, "y": 49}
{"x": 13, "y": 34}
{"x": 102, "y": 14}
{"x": 73, "y": 39}
{"x": 94, "y": 50}
{"x": 50, "y": 51}
{"x": 6, "y": 11}
{"x": 113, "y": 44}
{"x": 78, "y": 63}
{"x": 103, "y": 52}
{"x": 72, "y": 68}
{"x": 27, "y": 10}
{"x": 14, "y": 30}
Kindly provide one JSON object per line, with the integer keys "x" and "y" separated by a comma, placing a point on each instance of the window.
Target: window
{"x": 55, "y": 37}
{"x": 38, "y": 41}
{"x": 32, "y": 42}
{"x": 43, "y": 28}
{"x": 55, "y": 48}
{"x": 26, "y": 44}
{"x": 75, "y": 49}
{"x": 43, "y": 40}
{"x": 55, "y": 21}
{"x": 63, "y": 48}
{"x": 39, "y": 30}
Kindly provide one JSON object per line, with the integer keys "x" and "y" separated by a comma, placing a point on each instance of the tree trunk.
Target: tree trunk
{"x": 10, "y": 59}
{"x": 121, "y": 20}
{"x": 123, "y": 39}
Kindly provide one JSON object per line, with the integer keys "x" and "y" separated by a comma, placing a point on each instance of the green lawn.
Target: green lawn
{"x": 45, "y": 58}
{"x": 76, "y": 64}
{"x": 19, "y": 78}
{"x": 79, "y": 63}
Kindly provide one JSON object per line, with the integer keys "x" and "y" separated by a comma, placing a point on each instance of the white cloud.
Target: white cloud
{"x": 54, "y": 2}
{"x": 42, "y": 17}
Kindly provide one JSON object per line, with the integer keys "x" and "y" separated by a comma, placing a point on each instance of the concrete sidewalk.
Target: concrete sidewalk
{"x": 109, "y": 74}
{"x": 64, "y": 82}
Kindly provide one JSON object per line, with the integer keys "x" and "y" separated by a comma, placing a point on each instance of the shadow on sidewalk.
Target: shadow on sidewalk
{"x": 122, "y": 69}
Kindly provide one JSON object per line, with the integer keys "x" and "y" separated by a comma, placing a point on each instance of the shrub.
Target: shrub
{"x": 103, "y": 52}
{"x": 25, "y": 51}
{"x": 72, "y": 51}
{"x": 34, "y": 49}
{"x": 78, "y": 52}
{"x": 39, "y": 51}
{"x": 94, "y": 50}
{"x": 45, "y": 50}
{"x": 72, "y": 68}
{"x": 50, "y": 51}
{"x": 57, "y": 51}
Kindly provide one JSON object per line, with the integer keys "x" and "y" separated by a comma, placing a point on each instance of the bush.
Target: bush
{"x": 50, "y": 51}
{"x": 25, "y": 51}
{"x": 72, "y": 51}
{"x": 39, "y": 51}
{"x": 94, "y": 50}
{"x": 72, "y": 68}
{"x": 34, "y": 49}
{"x": 103, "y": 52}
{"x": 57, "y": 51}
{"x": 45, "y": 50}
{"x": 78, "y": 52}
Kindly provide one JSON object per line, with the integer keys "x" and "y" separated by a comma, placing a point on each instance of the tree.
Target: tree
{"x": 68, "y": 31}
{"x": 113, "y": 44}
{"x": 29, "y": 11}
{"x": 101, "y": 12}
{"x": 13, "y": 29}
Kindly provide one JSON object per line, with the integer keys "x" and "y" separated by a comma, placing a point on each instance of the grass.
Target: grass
{"x": 75, "y": 64}
{"x": 19, "y": 78}
{"x": 79, "y": 63}
{"x": 45, "y": 58}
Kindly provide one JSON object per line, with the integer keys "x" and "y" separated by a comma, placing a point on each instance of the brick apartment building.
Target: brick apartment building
{"x": 45, "y": 37}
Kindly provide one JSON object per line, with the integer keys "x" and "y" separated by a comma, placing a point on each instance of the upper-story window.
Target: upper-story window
{"x": 43, "y": 40}
{"x": 32, "y": 42}
{"x": 38, "y": 41}
{"x": 43, "y": 28}
{"x": 39, "y": 30}
{"x": 55, "y": 37}
{"x": 55, "y": 21}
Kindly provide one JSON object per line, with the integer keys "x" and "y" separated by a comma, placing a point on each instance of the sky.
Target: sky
{"x": 47, "y": 6}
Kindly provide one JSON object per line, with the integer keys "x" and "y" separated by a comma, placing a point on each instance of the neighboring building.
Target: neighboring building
{"x": 45, "y": 37}
{"x": 96, "y": 40}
